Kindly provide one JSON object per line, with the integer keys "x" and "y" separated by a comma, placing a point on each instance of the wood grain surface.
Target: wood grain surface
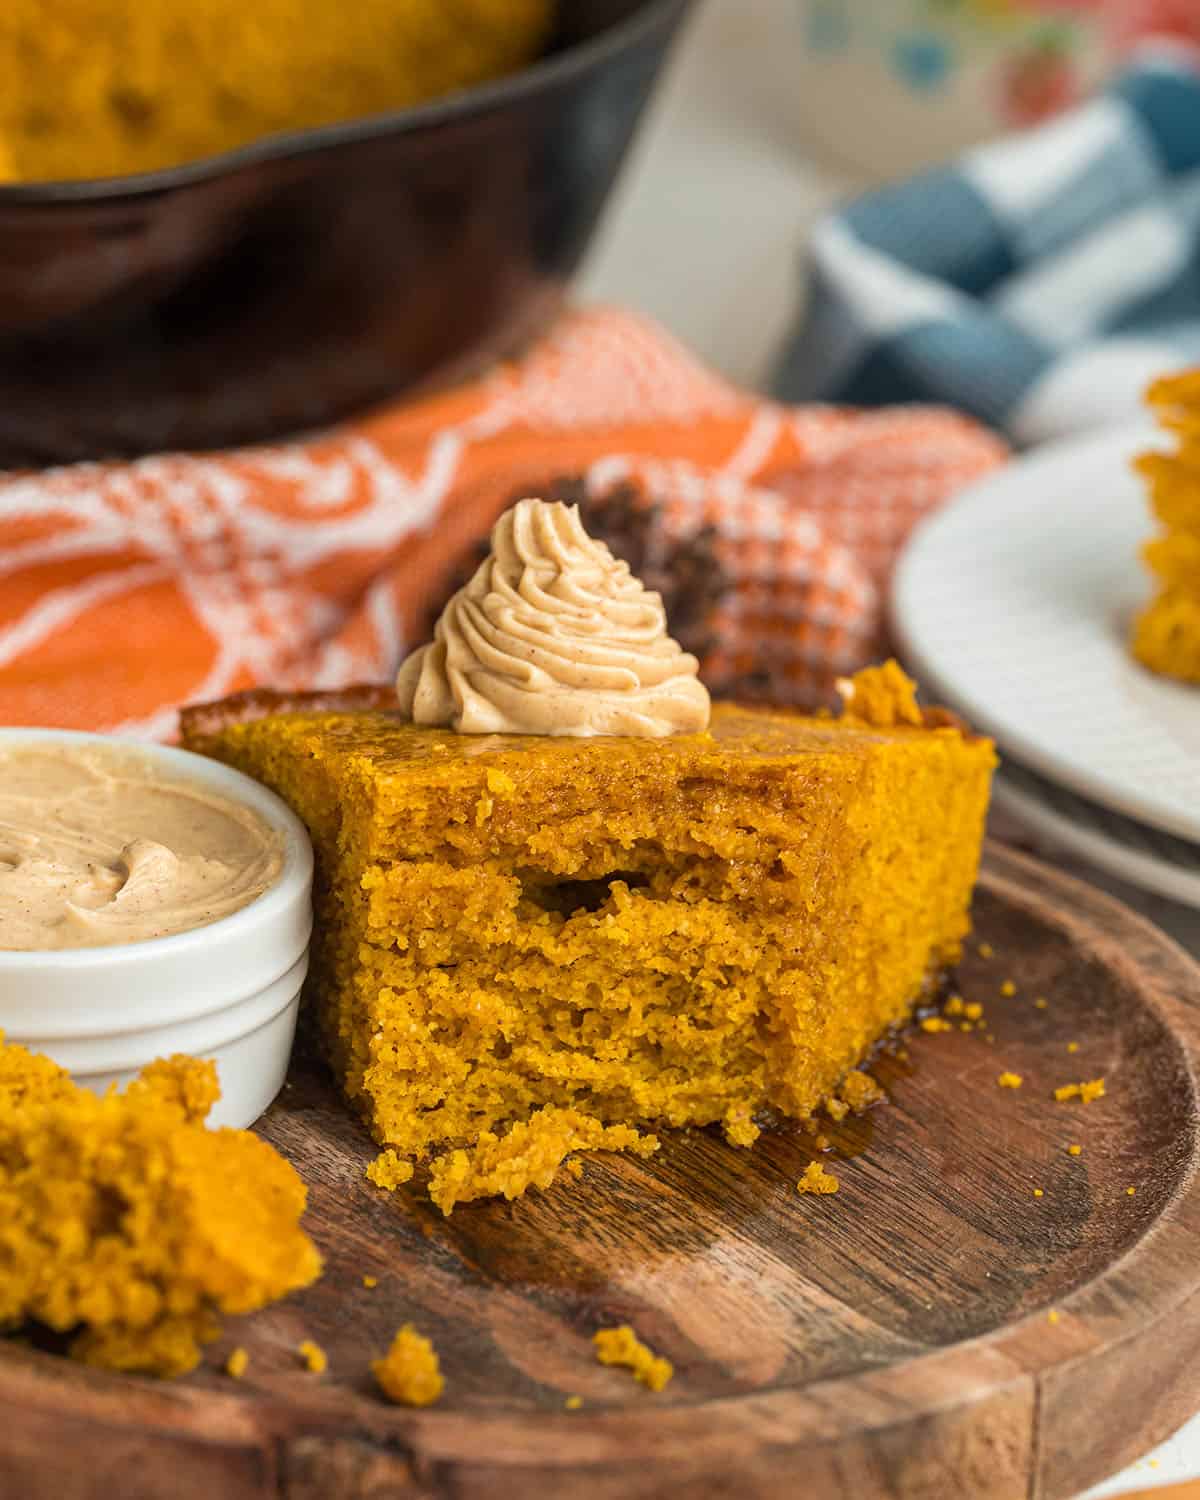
{"x": 892, "y": 1340}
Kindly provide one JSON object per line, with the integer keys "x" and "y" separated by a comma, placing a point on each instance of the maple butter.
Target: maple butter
{"x": 553, "y": 636}
{"x": 97, "y": 847}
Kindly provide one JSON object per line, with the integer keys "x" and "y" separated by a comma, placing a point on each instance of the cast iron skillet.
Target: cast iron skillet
{"x": 307, "y": 275}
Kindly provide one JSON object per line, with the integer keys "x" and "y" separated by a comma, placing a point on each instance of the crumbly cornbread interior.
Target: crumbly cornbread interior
{"x": 662, "y": 932}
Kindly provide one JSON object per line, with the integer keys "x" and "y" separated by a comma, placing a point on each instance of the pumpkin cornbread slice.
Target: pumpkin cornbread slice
{"x": 673, "y": 931}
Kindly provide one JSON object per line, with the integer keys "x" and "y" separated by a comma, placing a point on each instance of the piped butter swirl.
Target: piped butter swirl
{"x": 553, "y": 635}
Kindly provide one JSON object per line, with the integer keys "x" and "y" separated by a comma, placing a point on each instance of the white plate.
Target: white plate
{"x": 1012, "y": 605}
{"x": 1065, "y": 823}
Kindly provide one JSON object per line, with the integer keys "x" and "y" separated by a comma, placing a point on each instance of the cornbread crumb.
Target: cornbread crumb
{"x": 409, "y": 1374}
{"x": 528, "y": 1156}
{"x": 954, "y": 1006}
{"x": 573, "y": 1403}
{"x": 236, "y": 1364}
{"x": 881, "y": 696}
{"x": 973, "y": 1011}
{"x": 1072, "y": 1046}
{"x": 1008, "y": 989}
{"x": 1085, "y": 1092}
{"x": 389, "y": 1170}
{"x": 822, "y": 1143}
{"x": 621, "y": 1346}
{"x": 313, "y": 1356}
{"x": 817, "y": 1180}
{"x": 1038, "y": 1193}
{"x": 859, "y": 1090}
{"x": 1130, "y": 1191}
{"x": 986, "y": 950}
{"x": 836, "y": 1109}
{"x": 573, "y": 1168}
{"x": 965, "y": 1026}
{"x": 1053, "y": 1315}
{"x": 1074, "y": 1150}
{"x": 127, "y": 1224}
{"x": 370, "y": 1281}
{"x": 739, "y": 1126}
{"x": 1040, "y": 1003}
{"x": 935, "y": 1023}
{"x": 1010, "y": 1080}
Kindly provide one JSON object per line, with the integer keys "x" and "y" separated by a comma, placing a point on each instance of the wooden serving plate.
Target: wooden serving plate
{"x": 892, "y": 1340}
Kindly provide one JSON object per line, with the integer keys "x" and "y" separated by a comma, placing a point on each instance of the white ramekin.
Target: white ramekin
{"x": 229, "y": 991}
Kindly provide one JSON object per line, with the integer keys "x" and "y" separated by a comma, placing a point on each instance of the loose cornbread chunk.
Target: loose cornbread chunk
{"x": 127, "y": 1223}
{"x": 673, "y": 931}
{"x": 528, "y": 1156}
{"x": 621, "y": 1346}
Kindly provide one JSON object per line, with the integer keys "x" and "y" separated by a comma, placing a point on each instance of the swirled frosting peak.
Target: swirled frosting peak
{"x": 553, "y": 635}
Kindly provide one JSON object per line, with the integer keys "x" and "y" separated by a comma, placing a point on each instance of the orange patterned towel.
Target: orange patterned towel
{"x": 129, "y": 588}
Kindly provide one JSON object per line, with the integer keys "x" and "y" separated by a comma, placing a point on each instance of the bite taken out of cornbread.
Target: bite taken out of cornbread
{"x": 560, "y": 902}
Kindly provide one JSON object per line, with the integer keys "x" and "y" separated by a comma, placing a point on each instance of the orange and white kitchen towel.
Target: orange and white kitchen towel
{"x": 127, "y": 589}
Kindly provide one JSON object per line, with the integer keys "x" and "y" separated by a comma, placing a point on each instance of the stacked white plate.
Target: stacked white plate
{"x": 1012, "y": 605}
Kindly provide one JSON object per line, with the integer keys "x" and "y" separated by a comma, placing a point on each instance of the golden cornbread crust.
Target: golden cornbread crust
{"x": 676, "y": 931}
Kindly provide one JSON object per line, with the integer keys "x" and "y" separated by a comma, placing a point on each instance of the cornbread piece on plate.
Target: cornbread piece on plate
{"x": 1166, "y": 634}
{"x": 671, "y": 931}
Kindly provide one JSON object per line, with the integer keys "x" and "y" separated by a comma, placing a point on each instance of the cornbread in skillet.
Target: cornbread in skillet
{"x": 100, "y": 88}
{"x": 671, "y": 931}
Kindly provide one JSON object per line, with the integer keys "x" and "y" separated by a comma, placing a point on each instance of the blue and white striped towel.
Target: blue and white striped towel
{"x": 1038, "y": 283}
